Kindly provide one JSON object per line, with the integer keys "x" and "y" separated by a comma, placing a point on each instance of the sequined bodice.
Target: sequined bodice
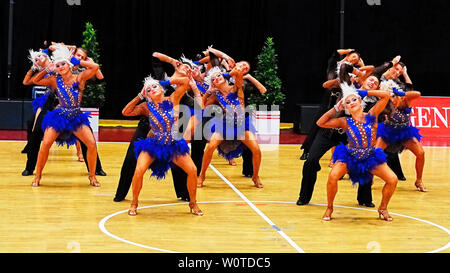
{"x": 361, "y": 135}
{"x": 67, "y": 95}
{"x": 202, "y": 86}
{"x": 161, "y": 119}
{"x": 231, "y": 103}
{"x": 68, "y": 98}
{"x": 399, "y": 118}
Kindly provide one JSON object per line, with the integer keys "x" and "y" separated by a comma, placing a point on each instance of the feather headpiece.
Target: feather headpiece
{"x": 149, "y": 81}
{"x": 33, "y": 55}
{"x": 62, "y": 54}
{"x": 348, "y": 90}
{"x": 211, "y": 72}
{"x": 389, "y": 85}
{"x": 183, "y": 59}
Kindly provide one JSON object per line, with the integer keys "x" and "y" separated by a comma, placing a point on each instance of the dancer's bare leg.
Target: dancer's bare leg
{"x": 85, "y": 135}
{"x": 188, "y": 166}
{"x": 79, "y": 153}
{"x": 214, "y": 142}
{"x": 338, "y": 170}
{"x": 384, "y": 172}
{"x": 49, "y": 138}
{"x": 252, "y": 144}
{"x": 143, "y": 162}
{"x": 416, "y": 148}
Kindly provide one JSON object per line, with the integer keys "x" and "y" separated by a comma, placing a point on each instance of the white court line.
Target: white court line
{"x": 272, "y": 224}
{"x": 102, "y": 227}
{"x": 103, "y": 221}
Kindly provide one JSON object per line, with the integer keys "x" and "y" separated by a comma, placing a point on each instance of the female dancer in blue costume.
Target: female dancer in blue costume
{"x": 41, "y": 105}
{"x": 67, "y": 120}
{"x": 231, "y": 98}
{"x": 361, "y": 159}
{"x": 40, "y": 61}
{"x": 396, "y": 132}
{"x": 160, "y": 148}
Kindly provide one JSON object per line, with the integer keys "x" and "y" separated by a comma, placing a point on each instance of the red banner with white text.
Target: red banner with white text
{"x": 431, "y": 115}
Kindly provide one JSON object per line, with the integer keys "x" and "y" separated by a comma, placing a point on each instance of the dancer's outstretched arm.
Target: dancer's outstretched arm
{"x": 381, "y": 104}
{"x": 133, "y": 109}
{"x": 407, "y": 96}
{"x": 329, "y": 119}
{"x": 182, "y": 86}
{"x": 222, "y": 55}
{"x": 197, "y": 93}
{"x": 91, "y": 68}
{"x": 40, "y": 79}
{"x": 345, "y": 51}
{"x": 262, "y": 89}
{"x": 167, "y": 59}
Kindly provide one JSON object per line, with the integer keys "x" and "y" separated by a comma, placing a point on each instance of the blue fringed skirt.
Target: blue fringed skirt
{"x": 232, "y": 146}
{"x": 163, "y": 154}
{"x": 65, "y": 121}
{"x": 230, "y": 149}
{"x": 39, "y": 102}
{"x": 360, "y": 162}
{"x": 395, "y": 137}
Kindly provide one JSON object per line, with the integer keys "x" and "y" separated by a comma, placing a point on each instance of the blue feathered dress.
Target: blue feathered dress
{"x": 161, "y": 144}
{"x": 68, "y": 117}
{"x": 360, "y": 156}
{"x": 231, "y": 126}
{"x": 396, "y": 129}
{"x": 39, "y": 102}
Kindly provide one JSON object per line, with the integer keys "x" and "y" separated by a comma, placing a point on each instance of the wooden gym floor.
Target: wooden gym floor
{"x": 65, "y": 214}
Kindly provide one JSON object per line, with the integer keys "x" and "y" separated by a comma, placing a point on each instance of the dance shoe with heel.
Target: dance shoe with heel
{"x": 80, "y": 157}
{"x": 420, "y": 186}
{"x": 327, "y": 215}
{"x": 232, "y": 162}
{"x": 383, "y": 214}
{"x": 133, "y": 210}
{"x": 257, "y": 182}
{"x": 93, "y": 181}
{"x": 194, "y": 209}
{"x": 36, "y": 182}
{"x": 200, "y": 180}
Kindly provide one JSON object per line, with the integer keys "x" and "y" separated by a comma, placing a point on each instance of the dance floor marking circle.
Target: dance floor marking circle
{"x": 102, "y": 222}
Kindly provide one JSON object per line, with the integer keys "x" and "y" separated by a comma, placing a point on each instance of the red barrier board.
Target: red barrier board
{"x": 431, "y": 115}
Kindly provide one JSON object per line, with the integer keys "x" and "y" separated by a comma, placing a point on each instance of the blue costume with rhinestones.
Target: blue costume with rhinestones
{"x": 232, "y": 127}
{"x": 396, "y": 129}
{"x": 39, "y": 102}
{"x": 161, "y": 144}
{"x": 67, "y": 117}
{"x": 360, "y": 156}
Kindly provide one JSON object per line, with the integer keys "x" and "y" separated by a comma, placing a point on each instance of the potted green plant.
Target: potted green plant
{"x": 94, "y": 92}
{"x": 267, "y": 119}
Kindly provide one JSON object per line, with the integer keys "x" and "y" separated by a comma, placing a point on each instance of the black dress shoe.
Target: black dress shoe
{"x": 301, "y": 202}
{"x": 101, "y": 173}
{"x": 369, "y": 205}
{"x": 247, "y": 175}
{"x": 118, "y": 199}
{"x": 187, "y": 199}
{"x": 402, "y": 178}
{"x": 27, "y": 173}
{"x": 304, "y": 156}
{"x": 25, "y": 150}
